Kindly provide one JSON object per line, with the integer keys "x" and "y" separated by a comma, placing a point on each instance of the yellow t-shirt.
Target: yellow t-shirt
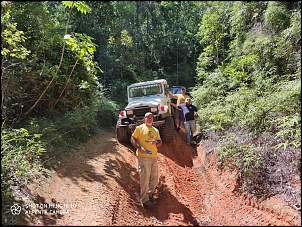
{"x": 144, "y": 136}
{"x": 180, "y": 98}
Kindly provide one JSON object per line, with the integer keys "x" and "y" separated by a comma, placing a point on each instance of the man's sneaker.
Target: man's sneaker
{"x": 151, "y": 198}
{"x": 193, "y": 143}
{"x": 147, "y": 204}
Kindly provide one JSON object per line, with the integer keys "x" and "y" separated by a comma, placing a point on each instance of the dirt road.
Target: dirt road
{"x": 98, "y": 185}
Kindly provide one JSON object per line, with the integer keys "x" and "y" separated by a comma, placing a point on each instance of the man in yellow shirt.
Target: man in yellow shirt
{"x": 146, "y": 139}
{"x": 178, "y": 115}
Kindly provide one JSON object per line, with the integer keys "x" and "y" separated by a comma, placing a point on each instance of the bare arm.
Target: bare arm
{"x": 171, "y": 94}
{"x": 135, "y": 143}
{"x": 158, "y": 143}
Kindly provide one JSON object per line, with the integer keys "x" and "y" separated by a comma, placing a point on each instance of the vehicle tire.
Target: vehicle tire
{"x": 122, "y": 135}
{"x": 167, "y": 131}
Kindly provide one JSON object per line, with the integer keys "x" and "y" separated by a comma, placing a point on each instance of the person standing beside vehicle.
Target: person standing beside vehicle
{"x": 178, "y": 116}
{"x": 146, "y": 139}
{"x": 190, "y": 113}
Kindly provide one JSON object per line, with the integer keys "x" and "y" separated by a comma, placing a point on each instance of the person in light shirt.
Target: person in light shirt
{"x": 190, "y": 113}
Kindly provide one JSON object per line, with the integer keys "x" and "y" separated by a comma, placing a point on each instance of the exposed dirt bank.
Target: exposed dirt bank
{"x": 98, "y": 185}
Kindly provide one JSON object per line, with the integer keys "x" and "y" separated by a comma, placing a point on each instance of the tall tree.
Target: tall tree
{"x": 43, "y": 80}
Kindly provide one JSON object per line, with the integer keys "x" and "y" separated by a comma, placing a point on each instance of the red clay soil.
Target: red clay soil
{"x": 98, "y": 185}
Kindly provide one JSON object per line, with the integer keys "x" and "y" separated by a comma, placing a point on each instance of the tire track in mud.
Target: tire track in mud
{"x": 178, "y": 185}
{"x": 238, "y": 210}
{"x": 116, "y": 208}
{"x": 126, "y": 192}
{"x": 219, "y": 192}
{"x": 102, "y": 179}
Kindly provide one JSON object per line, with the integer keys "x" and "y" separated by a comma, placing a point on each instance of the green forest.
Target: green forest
{"x": 66, "y": 65}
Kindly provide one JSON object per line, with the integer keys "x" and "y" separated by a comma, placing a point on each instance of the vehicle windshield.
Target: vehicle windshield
{"x": 175, "y": 90}
{"x": 145, "y": 90}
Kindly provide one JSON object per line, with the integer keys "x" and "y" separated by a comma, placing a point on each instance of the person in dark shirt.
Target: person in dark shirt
{"x": 189, "y": 112}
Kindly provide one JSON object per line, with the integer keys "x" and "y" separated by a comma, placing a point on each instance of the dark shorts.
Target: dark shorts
{"x": 178, "y": 114}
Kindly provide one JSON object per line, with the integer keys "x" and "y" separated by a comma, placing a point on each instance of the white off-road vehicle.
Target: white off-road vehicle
{"x": 143, "y": 97}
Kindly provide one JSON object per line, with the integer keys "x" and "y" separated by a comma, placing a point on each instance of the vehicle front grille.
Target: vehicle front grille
{"x": 138, "y": 112}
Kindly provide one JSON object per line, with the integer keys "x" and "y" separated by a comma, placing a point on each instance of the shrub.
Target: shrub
{"x": 20, "y": 162}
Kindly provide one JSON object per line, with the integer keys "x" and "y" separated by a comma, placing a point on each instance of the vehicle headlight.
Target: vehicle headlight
{"x": 153, "y": 109}
{"x": 130, "y": 112}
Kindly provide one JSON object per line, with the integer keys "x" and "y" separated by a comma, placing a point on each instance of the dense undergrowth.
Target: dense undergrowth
{"x": 243, "y": 60}
{"x": 258, "y": 136}
{"x": 31, "y": 151}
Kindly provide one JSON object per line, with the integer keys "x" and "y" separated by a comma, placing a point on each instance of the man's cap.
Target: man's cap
{"x": 188, "y": 99}
{"x": 148, "y": 113}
